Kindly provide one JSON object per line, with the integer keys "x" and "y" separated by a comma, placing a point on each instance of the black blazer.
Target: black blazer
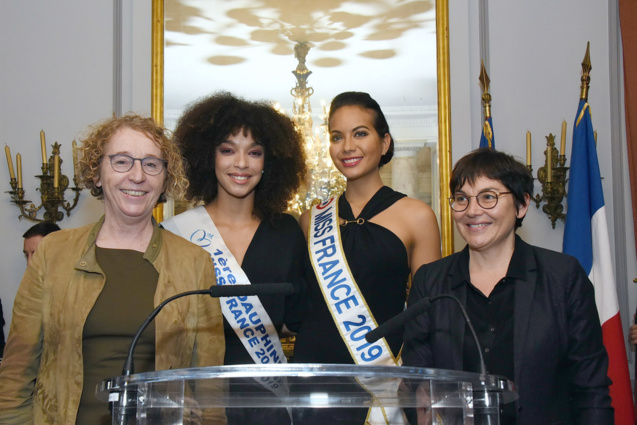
{"x": 559, "y": 358}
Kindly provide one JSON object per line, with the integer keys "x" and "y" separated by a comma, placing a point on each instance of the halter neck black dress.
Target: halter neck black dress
{"x": 379, "y": 262}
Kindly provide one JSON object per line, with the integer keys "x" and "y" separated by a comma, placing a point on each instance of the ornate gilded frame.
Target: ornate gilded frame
{"x": 444, "y": 108}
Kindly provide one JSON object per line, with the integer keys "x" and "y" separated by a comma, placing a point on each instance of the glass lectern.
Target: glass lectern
{"x": 306, "y": 394}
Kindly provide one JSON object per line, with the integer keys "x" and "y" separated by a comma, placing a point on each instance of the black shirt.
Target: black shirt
{"x": 493, "y": 320}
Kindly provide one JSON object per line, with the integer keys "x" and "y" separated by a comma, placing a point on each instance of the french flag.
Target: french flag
{"x": 586, "y": 238}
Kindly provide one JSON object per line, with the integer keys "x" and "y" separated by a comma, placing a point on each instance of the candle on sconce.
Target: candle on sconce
{"x": 7, "y": 151}
{"x": 43, "y": 147}
{"x": 76, "y": 170}
{"x": 18, "y": 161}
{"x": 563, "y": 141}
{"x": 56, "y": 171}
{"x": 549, "y": 163}
{"x": 528, "y": 148}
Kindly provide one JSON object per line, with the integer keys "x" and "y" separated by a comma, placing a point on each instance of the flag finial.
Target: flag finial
{"x": 486, "y": 97}
{"x": 586, "y": 72}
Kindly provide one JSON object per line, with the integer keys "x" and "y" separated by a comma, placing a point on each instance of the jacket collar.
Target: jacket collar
{"x": 523, "y": 270}
{"x": 521, "y": 262}
{"x": 88, "y": 260}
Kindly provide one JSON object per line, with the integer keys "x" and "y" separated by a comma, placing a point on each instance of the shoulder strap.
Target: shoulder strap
{"x": 383, "y": 199}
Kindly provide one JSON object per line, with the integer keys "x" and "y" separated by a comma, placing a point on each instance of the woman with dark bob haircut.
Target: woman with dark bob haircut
{"x": 245, "y": 161}
{"x": 385, "y": 237}
{"x": 533, "y": 309}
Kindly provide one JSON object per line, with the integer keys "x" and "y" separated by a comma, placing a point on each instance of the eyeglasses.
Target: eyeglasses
{"x": 487, "y": 200}
{"x": 151, "y": 165}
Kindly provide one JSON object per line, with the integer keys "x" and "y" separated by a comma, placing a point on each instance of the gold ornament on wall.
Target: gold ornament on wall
{"x": 53, "y": 185}
{"x": 553, "y": 175}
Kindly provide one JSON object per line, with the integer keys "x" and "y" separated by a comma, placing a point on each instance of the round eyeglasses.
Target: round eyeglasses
{"x": 487, "y": 200}
{"x": 151, "y": 165}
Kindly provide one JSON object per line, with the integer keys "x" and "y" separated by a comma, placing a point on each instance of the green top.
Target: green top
{"x": 122, "y": 306}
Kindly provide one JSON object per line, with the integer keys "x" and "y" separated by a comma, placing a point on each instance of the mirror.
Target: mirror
{"x": 397, "y": 52}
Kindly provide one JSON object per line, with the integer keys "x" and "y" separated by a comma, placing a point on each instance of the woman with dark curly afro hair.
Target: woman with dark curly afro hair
{"x": 245, "y": 161}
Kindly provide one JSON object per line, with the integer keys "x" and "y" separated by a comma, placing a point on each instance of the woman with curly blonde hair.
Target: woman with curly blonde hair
{"x": 68, "y": 332}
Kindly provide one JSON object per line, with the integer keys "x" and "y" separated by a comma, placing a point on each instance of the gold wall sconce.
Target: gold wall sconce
{"x": 53, "y": 185}
{"x": 552, "y": 176}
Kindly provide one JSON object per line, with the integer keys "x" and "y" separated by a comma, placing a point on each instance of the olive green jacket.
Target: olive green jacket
{"x": 41, "y": 375}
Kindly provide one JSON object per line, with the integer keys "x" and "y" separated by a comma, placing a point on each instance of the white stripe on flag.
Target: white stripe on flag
{"x": 602, "y": 273}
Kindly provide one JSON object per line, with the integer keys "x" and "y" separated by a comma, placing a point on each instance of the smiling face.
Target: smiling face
{"x": 485, "y": 229}
{"x": 355, "y": 146}
{"x": 239, "y": 163}
{"x": 131, "y": 195}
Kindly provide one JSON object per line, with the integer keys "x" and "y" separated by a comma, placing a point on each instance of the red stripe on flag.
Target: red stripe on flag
{"x": 620, "y": 390}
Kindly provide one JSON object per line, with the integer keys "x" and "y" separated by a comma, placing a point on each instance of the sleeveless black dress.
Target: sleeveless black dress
{"x": 379, "y": 262}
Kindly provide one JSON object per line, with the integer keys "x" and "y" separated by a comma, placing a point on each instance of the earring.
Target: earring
{"x": 262, "y": 171}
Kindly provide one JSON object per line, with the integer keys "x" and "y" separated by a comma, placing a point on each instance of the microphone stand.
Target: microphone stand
{"x": 126, "y": 403}
{"x": 129, "y": 367}
{"x": 417, "y": 309}
{"x": 483, "y": 366}
{"x": 483, "y": 397}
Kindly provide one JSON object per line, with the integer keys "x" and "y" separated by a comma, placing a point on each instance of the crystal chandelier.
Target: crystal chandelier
{"x": 323, "y": 180}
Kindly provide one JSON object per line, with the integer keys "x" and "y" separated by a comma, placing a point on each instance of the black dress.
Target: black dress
{"x": 379, "y": 262}
{"x": 276, "y": 254}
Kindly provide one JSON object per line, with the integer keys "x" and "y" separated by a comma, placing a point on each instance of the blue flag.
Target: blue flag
{"x": 486, "y": 140}
{"x": 586, "y": 238}
{"x": 585, "y": 195}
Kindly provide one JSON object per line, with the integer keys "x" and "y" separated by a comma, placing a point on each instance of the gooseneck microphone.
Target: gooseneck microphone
{"x": 126, "y": 402}
{"x": 398, "y": 321}
{"x": 215, "y": 291}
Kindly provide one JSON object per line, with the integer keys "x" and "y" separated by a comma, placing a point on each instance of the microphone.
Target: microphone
{"x": 398, "y": 321}
{"x": 126, "y": 402}
{"x": 215, "y": 291}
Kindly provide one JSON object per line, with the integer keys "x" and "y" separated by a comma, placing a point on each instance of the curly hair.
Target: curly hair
{"x": 211, "y": 120}
{"x": 364, "y": 100}
{"x": 94, "y": 144}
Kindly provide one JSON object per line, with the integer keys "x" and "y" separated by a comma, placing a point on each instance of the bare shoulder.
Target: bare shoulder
{"x": 415, "y": 211}
{"x": 420, "y": 221}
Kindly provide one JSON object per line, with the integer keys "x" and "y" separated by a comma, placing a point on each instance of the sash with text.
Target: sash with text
{"x": 246, "y": 315}
{"x": 349, "y": 309}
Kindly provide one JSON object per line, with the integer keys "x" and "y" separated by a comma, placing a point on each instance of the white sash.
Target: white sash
{"x": 350, "y": 312}
{"x": 246, "y": 315}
